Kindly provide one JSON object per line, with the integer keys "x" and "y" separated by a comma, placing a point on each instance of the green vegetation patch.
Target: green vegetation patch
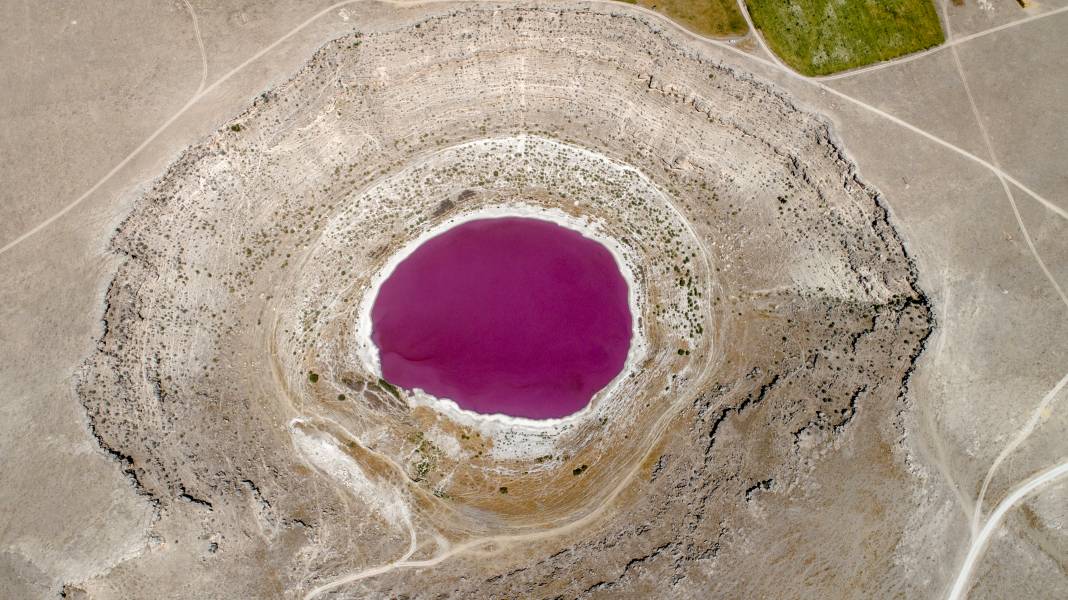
{"x": 719, "y": 18}
{"x": 389, "y": 387}
{"x": 819, "y": 37}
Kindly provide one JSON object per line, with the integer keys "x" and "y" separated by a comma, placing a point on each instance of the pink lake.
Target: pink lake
{"x": 516, "y": 316}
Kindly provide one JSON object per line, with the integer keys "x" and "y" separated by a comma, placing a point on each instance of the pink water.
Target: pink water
{"x": 516, "y": 316}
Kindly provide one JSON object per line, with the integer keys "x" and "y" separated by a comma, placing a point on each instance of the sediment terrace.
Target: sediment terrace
{"x": 778, "y": 321}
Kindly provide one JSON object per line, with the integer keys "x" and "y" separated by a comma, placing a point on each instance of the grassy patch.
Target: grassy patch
{"x": 708, "y": 17}
{"x": 389, "y": 387}
{"x": 818, "y": 37}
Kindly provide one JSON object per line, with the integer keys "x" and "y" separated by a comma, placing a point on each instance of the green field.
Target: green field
{"x": 819, "y": 37}
{"x": 717, "y": 18}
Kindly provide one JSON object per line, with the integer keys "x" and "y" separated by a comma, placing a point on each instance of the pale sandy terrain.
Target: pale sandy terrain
{"x": 864, "y": 274}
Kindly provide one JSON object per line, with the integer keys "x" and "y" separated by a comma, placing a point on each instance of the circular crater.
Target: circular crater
{"x": 513, "y": 316}
{"x": 772, "y": 311}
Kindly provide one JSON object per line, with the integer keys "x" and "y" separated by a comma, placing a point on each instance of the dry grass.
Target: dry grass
{"x": 716, "y": 18}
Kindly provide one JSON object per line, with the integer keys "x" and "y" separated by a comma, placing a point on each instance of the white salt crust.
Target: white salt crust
{"x": 368, "y": 352}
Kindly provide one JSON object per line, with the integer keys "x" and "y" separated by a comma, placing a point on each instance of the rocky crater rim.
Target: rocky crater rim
{"x": 774, "y": 300}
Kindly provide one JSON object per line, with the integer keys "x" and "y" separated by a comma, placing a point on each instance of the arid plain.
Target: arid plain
{"x": 853, "y": 343}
